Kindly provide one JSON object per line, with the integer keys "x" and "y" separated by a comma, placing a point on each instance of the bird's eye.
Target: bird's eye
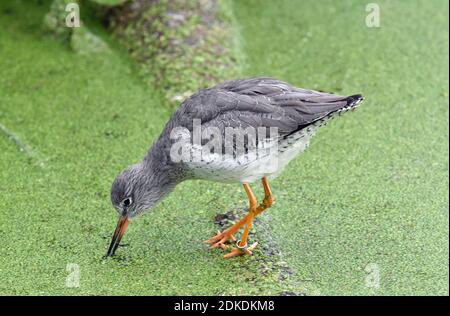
{"x": 126, "y": 202}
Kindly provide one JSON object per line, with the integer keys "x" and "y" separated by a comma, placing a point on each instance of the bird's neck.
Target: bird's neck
{"x": 156, "y": 158}
{"x": 157, "y": 164}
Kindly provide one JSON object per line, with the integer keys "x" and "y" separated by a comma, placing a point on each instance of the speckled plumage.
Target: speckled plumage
{"x": 255, "y": 102}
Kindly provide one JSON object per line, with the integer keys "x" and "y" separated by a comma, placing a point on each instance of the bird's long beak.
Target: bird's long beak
{"x": 118, "y": 234}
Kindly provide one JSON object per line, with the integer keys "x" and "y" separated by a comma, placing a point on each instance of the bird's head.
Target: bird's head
{"x": 133, "y": 192}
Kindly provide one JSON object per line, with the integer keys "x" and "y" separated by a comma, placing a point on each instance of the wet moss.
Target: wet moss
{"x": 181, "y": 46}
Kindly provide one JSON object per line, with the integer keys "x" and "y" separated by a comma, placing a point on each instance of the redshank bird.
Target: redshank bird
{"x": 271, "y": 122}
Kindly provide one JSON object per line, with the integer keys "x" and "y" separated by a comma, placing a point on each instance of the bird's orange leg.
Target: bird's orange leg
{"x": 228, "y": 234}
{"x": 268, "y": 197}
{"x": 241, "y": 248}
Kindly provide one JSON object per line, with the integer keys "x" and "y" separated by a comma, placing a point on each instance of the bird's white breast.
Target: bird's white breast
{"x": 247, "y": 168}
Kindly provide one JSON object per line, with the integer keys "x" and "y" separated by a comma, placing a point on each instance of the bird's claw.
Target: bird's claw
{"x": 220, "y": 239}
{"x": 239, "y": 250}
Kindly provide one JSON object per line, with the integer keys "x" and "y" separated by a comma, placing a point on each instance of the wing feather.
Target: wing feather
{"x": 260, "y": 102}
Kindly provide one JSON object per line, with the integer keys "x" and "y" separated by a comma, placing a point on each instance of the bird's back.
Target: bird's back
{"x": 288, "y": 115}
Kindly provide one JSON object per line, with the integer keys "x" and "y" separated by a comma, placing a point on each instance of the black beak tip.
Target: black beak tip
{"x": 112, "y": 248}
{"x": 117, "y": 237}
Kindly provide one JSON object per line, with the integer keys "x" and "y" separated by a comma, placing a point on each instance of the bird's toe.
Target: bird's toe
{"x": 220, "y": 238}
{"x": 241, "y": 251}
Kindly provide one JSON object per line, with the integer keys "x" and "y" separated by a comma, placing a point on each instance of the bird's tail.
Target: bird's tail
{"x": 353, "y": 102}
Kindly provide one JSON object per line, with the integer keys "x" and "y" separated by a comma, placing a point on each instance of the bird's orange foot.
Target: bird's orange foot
{"x": 239, "y": 250}
{"x": 221, "y": 239}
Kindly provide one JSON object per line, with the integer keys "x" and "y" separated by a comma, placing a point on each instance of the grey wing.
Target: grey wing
{"x": 267, "y": 102}
{"x": 256, "y": 103}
